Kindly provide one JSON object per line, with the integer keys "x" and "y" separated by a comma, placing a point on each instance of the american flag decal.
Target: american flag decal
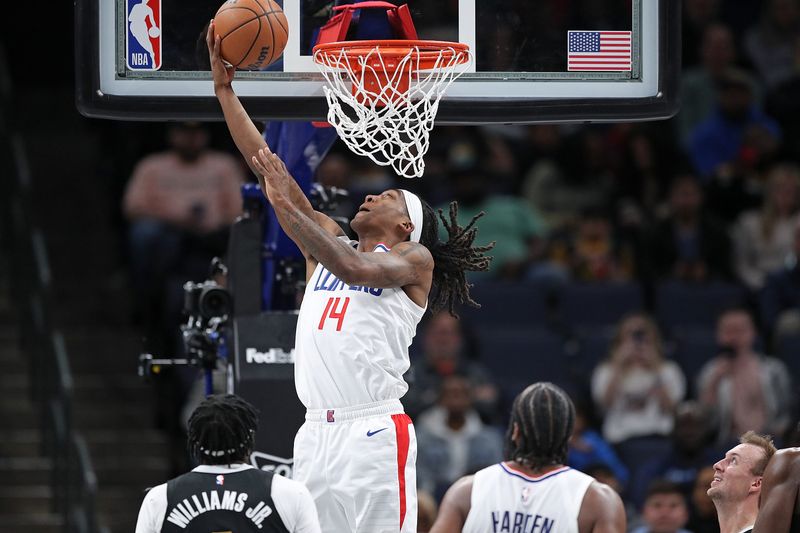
{"x": 598, "y": 50}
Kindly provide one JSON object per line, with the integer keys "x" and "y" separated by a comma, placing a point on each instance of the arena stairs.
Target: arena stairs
{"x": 111, "y": 407}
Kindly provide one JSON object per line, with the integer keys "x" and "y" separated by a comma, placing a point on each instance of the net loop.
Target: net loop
{"x": 383, "y": 96}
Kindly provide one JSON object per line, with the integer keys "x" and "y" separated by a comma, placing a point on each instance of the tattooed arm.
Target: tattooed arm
{"x": 408, "y": 263}
{"x": 248, "y": 139}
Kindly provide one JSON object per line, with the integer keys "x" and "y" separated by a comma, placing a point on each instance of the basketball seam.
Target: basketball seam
{"x": 258, "y": 18}
{"x": 271, "y": 29}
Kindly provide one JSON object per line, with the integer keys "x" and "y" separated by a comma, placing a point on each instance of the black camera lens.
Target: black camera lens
{"x": 214, "y": 302}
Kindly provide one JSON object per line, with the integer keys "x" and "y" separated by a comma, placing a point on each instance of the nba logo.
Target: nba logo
{"x": 220, "y": 479}
{"x": 143, "y": 38}
{"x": 330, "y": 416}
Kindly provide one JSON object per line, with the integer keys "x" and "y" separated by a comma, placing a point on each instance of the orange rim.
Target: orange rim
{"x": 426, "y": 53}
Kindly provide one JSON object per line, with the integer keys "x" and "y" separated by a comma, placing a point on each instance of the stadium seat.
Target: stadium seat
{"x": 589, "y": 348}
{"x": 788, "y": 349}
{"x": 693, "y": 348}
{"x": 681, "y": 304}
{"x": 508, "y": 304}
{"x": 598, "y": 305}
{"x": 517, "y": 357}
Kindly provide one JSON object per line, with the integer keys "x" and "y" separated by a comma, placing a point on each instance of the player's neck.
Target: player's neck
{"x": 735, "y": 516}
{"x": 533, "y": 472}
{"x": 367, "y": 243}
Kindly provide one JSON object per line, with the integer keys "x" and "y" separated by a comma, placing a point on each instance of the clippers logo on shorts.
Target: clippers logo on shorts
{"x": 143, "y": 38}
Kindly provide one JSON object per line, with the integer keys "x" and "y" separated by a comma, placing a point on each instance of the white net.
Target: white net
{"x": 383, "y": 120}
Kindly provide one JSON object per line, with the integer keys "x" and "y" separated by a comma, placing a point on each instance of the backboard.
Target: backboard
{"x": 535, "y": 61}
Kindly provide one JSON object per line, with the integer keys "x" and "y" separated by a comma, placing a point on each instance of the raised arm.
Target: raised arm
{"x": 779, "y": 493}
{"x": 249, "y": 140}
{"x": 455, "y": 507}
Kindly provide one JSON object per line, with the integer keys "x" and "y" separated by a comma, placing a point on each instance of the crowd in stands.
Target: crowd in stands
{"x": 651, "y": 269}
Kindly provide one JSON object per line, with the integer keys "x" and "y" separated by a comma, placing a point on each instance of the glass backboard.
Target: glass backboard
{"x": 535, "y": 61}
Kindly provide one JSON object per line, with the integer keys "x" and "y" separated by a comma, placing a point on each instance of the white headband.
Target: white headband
{"x": 414, "y": 207}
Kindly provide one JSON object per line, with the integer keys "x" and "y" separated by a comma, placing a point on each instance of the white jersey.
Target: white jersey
{"x": 507, "y": 500}
{"x": 351, "y": 345}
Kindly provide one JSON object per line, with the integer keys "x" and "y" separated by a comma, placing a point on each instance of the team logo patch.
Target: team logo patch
{"x": 143, "y": 38}
{"x": 220, "y": 480}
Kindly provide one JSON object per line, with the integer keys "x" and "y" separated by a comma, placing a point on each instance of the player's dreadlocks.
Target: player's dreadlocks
{"x": 452, "y": 258}
{"x": 222, "y": 430}
{"x": 545, "y": 416}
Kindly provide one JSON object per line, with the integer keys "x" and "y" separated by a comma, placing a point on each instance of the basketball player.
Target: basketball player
{"x": 533, "y": 491}
{"x": 738, "y": 481}
{"x": 356, "y": 452}
{"x": 225, "y": 493}
{"x": 779, "y": 510}
{"x": 138, "y": 17}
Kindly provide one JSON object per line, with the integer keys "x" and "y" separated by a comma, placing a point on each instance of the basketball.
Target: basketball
{"x": 253, "y": 32}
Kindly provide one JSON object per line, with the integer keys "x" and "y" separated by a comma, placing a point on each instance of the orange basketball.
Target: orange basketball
{"x": 253, "y": 32}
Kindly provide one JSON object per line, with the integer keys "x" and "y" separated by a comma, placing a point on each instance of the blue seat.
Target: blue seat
{"x": 508, "y": 304}
{"x": 788, "y": 349}
{"x": 517, "y": 357}
{"x": 597, "y": 305}
{"x": 693, "y": 348}
{"x": 589, "y": 349}
{"x": 680, "y": 304}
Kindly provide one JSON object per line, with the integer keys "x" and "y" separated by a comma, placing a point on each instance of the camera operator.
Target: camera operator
{"x": 762, "y": 399}
{"x": 225, "y": 493}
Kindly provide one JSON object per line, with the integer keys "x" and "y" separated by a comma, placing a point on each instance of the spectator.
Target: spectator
{"x": 592, "y": 252}
{"x": 444, "y": 353}
{"x": 698, "y": 84}
{"x": 737, "y": 136}
{"x": 692, "y": 449}
{"x": 636, "y": 388}
{"x": 452, "y": 439}
{"x": 665, "y": 509}
{"x": 510, "y": 222}
{"x": 703, "y": 512}
{"x": 572, "y": 176}
{"x": 697, "y": 16}
{"x": 748, "y": 390}
{"x": 587, "y": 450}
{"x": 763, "y": 239}
{"x": 179, "y": 204}
{"x": 780, "y": 299}
{"x": 689, "y": 244}
{"x": 772, "y": 43}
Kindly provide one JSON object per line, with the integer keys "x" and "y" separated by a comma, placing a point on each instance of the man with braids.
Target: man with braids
{"x": 225, "y": 493}
{"x": 532, "y": 491}
{"x": 356, "y": 451}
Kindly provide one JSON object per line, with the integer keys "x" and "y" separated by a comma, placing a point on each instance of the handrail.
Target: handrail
{"x": 74, "y": 480}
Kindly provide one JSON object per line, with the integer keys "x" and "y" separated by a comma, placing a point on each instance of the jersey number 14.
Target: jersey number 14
{"x": 332, "y": 311}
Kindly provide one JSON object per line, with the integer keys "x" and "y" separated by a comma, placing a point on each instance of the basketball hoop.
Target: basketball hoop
{"x": 383, "y": 95}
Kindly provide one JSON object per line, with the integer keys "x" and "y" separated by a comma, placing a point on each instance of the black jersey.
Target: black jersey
{"x": 199, "y": 502}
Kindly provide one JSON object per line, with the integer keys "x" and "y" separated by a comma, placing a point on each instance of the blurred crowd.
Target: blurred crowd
{"x": 708, "y": 199}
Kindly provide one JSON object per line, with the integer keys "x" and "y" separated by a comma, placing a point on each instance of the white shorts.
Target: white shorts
{"x": 359, "y": 465}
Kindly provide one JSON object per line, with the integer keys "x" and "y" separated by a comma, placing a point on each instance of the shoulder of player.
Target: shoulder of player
{"x": 413, "y": 252}
{"x": 600, "y": 500}
{"x": 460, "y": 493}
{"x": 785, "y": 463}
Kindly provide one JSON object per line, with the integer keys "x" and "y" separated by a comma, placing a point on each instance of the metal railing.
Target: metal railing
{"x": 73, "y": 480}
